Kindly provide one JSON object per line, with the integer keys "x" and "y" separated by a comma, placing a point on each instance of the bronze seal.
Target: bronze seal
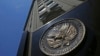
{"x": 62, "y": 37}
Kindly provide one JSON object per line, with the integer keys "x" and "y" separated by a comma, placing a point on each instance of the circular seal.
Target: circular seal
{"x": 62, "y": 37}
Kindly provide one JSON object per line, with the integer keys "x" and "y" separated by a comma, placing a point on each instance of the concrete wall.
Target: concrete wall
{"x": 34, "y": 22}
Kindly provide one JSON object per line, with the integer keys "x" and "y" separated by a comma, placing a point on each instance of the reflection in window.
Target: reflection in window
{"x": 55, "y": 12}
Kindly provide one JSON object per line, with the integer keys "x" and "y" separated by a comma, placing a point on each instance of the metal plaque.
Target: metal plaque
{"x": 62, "y": 37}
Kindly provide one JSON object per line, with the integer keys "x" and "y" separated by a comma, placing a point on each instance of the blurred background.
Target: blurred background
{"x": 13, "y": 14}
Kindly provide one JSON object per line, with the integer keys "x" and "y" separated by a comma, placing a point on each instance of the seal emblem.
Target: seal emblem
{"x": 62, "y": 37}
